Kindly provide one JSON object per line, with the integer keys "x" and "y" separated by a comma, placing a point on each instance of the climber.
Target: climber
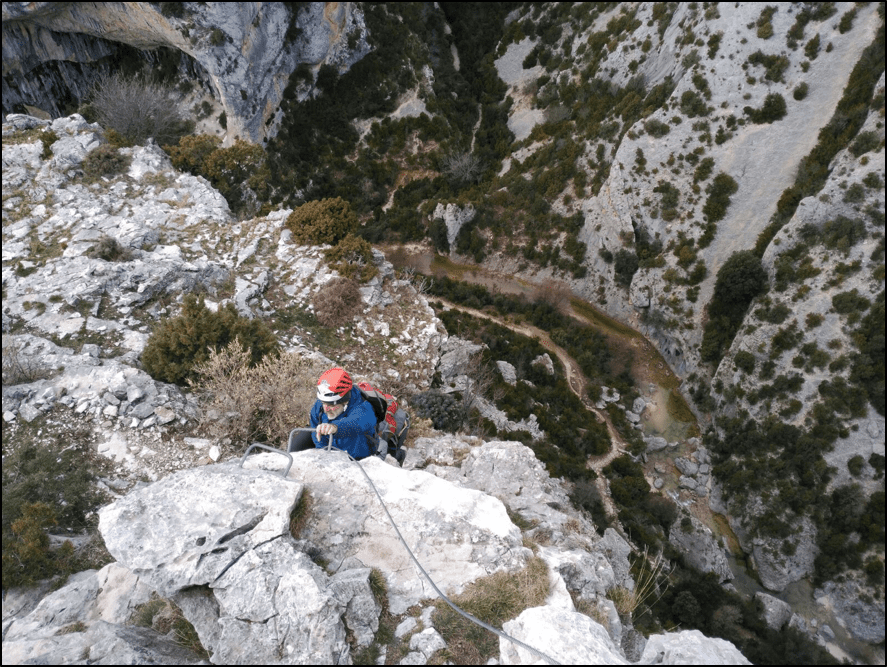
{"x": 342, "y": 411}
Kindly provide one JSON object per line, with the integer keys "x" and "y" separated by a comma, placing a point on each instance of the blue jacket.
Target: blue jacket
{"x": 356, "y": 426}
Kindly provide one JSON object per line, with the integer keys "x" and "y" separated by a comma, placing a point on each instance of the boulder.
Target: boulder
{"x": 272, "y": 606}
{"x": 509, "y": 374}
{"x": 588, "y": 575}
{"x": 211, "y": 517}
{"x": 690, "y": 647}
{"x": 454, "y": 216}
{"x": 776, "y": 612}
{"x": 686, "y": 466}
{"x": 775, "y": 569}
{"x": 545, "y": 629}
{"x": 511, "y": 471}
{"x": 457, "y": 534}
{"x": 544, "y": 360}
{"x": 655, "y": 443}
{"x": 85, "y": 620}
{"x": 700, "y": 549}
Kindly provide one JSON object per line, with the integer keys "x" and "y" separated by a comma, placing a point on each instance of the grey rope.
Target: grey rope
{"x": 471, "y": 618}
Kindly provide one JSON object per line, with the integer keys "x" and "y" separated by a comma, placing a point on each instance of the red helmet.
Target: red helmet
{"x": 334, "y": 386}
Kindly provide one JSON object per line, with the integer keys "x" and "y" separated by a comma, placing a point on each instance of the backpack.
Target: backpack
{"x": 392, "y": 422}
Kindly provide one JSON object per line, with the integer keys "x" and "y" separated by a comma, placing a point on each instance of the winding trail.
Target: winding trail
{"x": 577, "y": 383}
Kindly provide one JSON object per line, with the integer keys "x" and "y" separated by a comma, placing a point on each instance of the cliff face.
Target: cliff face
{"x": 704, "y": 59}
{"x": 243, "y": 52}
{"x": 803, "y": 346}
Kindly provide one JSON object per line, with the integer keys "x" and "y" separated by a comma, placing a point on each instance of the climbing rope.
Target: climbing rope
{"x": 443, "y": 597}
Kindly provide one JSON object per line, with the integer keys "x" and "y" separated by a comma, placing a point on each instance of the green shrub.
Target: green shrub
{"x": 865, "y": 142}
{"x": 854, "y": 194}
{"x": 323, "y": 221}
{"x": 855, "y": 465}
{"x": 444, "y": 411}
{"x": 656, "y": 128}
{"x": 774, "y": 314}
{"x": 846, "y": 22}
{"x": 27, "y": 556}
{"x": 745, "y": 361}
{"x": 703, "y": 171}
{"x": 811, "y": 48}
{"x": 715, "y": 207}
{"x": 625, "y": 265}
{"x": 353, "y": 258}
{"x": 850, "y": 302}
{"x": 772, "y": 110}
{"x": 739, "y": 280}
{"x": 191, "y": 153}
{"x": 180, "y": 343}
{"x": 105, "y": 161}
{"x": 238, "y": 172}
{"x": 873, "y": 180}
{"x": 692, "y": 104}
{"x": 775, "y": 65}
{"x": 764, "y": 22}
{"x": 800, "y": 91}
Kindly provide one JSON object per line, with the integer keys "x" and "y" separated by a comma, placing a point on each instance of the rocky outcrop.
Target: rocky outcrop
{"x": 776, "y": 612}
{"x": 67, "y": 308}
{"x": 454, "y": 217}
{"x": 847, "y": 600}
{"x": 243, "y": 53}
{"x": 700, "y": 549}
{"x": 224, "y": 552}
{"x": 86, "y": 620}
{"x": 690, "y": 647}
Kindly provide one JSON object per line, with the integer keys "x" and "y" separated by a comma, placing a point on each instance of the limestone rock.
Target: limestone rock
{"x": 510, "y": 470}
{"x": 690, "y": 647}
{"x": 458, "y": 534}
{"x": 700, "y": 549}
{"x": 275, "y": 606}
{"x": 863, "y": 619}
{"x": 454, "y": 216}
{"x": 544, "y": 629}
{"x": 545, "y": 361}
{"x": 588, "y": 575}
{"x": 212, "y": 516}
{"x": 70, "y": 46}
{"x": 509, "y": 374}
{"x": 776, "y": 612}
{"x": 84, "y": 620}
{"x": 641, "y": 289}
{"x": 777, "y": 570}
{"x": 353, "y": 590}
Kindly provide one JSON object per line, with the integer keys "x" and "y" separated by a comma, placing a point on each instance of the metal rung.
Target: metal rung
{"x": 270, "y": 449}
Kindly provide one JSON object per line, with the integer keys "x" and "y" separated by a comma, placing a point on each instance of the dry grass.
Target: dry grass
{"x": 164, "y": 616}
{"x": 338, "y": 302}
{"x": 495, "y": 599}
{"x": 301, "y": 513}
{"x": 652, "y": 568}
{"x": 262, "y": 403}
{"x": 18, "y": 367}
